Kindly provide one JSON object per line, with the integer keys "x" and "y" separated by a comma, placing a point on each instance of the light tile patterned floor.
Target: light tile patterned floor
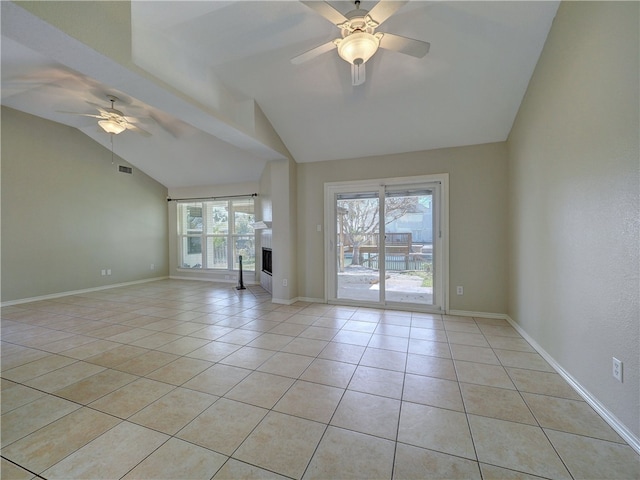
{"x": 180, "y": 379}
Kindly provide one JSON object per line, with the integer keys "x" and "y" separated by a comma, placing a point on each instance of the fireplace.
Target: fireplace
{"x": 266, "y": 261}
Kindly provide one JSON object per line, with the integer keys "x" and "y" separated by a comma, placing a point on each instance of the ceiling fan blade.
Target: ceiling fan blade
{"x": 100, "y": 108}
{"x": 103, "y": 112}
{"x": 134, "y": 119}
{"x": 408, "y": 46}
{"x": 81, "y": 114}
{"x": 94, "y": 104}
{"x": 384, "y": 9}
{"x": 327, "y": 11}
{"x": 137, "y": 129}
{"x": 313, "y": 53}
{"x": 358, "y": 75}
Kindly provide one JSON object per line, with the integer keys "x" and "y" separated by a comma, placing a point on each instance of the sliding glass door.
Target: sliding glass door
{"x": 384, "y": 243}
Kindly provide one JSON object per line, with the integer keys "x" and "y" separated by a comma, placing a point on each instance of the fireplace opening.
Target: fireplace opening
{"x": 266, "y": 261}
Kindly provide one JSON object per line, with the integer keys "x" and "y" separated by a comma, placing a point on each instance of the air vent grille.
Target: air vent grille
{"x": 123, "y": 169}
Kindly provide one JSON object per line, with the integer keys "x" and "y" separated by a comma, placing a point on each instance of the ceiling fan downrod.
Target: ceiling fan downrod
{"x": 112, "y": 99}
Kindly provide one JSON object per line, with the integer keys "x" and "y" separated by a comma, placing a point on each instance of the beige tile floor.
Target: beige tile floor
{"x": 177, "y": 379}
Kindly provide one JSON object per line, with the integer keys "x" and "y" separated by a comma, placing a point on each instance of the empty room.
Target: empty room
{"x": 320, "y": 240}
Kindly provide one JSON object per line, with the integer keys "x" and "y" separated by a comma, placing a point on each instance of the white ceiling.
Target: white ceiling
{"x": 200, "y": 68}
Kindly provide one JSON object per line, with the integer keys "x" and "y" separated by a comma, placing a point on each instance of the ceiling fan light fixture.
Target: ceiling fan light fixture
{"x": 358, "y": 47}
{"x": 111, "y": 126}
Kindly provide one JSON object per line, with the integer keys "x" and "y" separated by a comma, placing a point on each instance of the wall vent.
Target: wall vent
{"x": 123, "y": 169}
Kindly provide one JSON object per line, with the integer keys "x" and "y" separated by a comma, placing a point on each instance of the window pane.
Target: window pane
{"x": 191, "y": 215}
{"x": 218, "y": 218}
{"x": 358, "y": 241}
{"x": 217, "y": 252}
{"x": 244, "y": 246}
{"x": 243, "y": 216}
{"x": 409, "y": 246}
{"x": 191, "y": 252}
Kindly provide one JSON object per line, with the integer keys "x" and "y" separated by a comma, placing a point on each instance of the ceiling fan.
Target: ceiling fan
{"x": 113, "y": 121}
{"x": 359, "y": 39}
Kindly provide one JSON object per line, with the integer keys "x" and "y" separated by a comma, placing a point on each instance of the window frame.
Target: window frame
{"x": 186, "y": 235}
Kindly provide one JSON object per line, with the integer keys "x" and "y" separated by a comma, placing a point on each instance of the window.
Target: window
{"x": 213, "y": 234}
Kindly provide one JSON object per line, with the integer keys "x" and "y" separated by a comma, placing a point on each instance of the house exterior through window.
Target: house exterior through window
{"x": 213, "y": 234}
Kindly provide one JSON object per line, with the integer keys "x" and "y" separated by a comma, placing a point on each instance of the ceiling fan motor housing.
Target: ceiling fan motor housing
{"x": 113, "y": 112}
{"x": 114, "y": 121}
{"x": 358, "y": 42}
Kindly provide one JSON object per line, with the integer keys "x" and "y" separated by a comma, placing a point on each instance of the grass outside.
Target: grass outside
{"x": 427, "y": 277}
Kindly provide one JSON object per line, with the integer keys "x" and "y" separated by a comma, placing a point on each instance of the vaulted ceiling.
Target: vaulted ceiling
{"x": 213, "y": 84}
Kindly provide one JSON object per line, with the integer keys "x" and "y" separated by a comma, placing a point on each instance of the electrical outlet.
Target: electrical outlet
{"x": 617, "y": 369}
{"x": 108, "y": 271}
{"x": 103, "y": 272}
{"x": 284, "y": 282}
{"x": 460, "y": 290}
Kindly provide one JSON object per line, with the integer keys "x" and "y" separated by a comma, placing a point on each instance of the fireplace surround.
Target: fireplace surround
{"x": 266, "y": 261}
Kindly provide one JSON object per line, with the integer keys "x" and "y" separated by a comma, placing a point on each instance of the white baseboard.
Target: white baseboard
{"x": 282, "y": 301}
{"x": 214, "y": 280}
{"x": 78, "y": 292}
{"x": 628, "y": 436}
{"x": 200, "y": 279}
{"x": 464, "y": 313}
{"x": 311, "y": 300}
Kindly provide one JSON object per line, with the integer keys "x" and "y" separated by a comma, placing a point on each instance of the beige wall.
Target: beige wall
{"x": 477, "y": 217}
{"x": 574, "y": 195}
{"x": 67, "y": 213}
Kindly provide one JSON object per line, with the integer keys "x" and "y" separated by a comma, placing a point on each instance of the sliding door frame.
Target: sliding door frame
{"x": 440, "y": 234}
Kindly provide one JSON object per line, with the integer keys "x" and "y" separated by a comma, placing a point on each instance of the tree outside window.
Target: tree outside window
{"x": 215, "y": 232}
